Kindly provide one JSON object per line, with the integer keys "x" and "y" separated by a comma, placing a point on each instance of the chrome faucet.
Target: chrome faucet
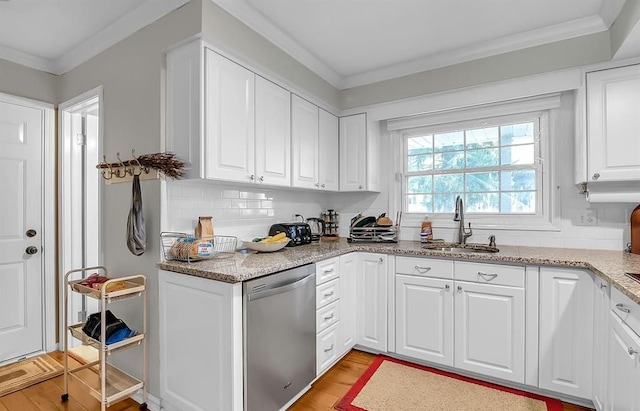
{"x": 463, "y": 234}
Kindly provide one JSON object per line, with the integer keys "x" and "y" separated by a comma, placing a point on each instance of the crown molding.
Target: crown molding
{"x": 140, "y": 17}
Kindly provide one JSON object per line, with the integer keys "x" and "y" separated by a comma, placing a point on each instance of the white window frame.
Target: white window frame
{"x": 544, "y": 220}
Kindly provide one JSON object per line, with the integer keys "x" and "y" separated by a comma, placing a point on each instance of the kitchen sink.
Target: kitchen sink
{"x": 460, "y": 248}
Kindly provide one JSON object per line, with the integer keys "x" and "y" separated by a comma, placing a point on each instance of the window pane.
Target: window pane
{"x": 448, "y": 160}
{"x": 448, "y": 141}
{"x": 518, "y": 202}
{"x": 448, "y": 183}
{"x": 482, "y": 158}
{"x": 516, "y": 134}
{"x": 482, "y": 137}
{"x": 419, "y": 203}
{"x": 482, "y": 203}
{"x": 483, "y": 181}
{"x": 518, "y": 180}
{"x": 517, "y": 154}
{"x": 444, "y": 203}
{"x": 420, "y": 145}
{"x": 419, "y": 184}
{"x": 421, "y": 162}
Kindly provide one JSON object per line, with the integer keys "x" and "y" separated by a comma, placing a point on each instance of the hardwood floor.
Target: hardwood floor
{"x": 45, "y": 396}
{"x": 335, "y": 383}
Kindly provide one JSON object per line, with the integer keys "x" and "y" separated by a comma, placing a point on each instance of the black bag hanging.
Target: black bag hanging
{"x": 136, "y": 235}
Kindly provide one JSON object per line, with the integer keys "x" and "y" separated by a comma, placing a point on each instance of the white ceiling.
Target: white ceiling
{"x": 347, "y": 42}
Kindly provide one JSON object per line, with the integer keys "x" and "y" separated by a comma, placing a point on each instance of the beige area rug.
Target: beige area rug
{"x": 22, "y": 374}
{"x": 390, "y": 384}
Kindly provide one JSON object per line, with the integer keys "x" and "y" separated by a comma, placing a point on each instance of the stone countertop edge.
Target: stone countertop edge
{"x": 242, "y": 266}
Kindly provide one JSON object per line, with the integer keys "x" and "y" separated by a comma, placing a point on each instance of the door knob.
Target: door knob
{"x": 31, "y": 233}
{"x": 31, "y": 250}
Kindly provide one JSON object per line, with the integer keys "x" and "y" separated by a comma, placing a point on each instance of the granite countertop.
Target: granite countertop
{"x": 610, "y": 265}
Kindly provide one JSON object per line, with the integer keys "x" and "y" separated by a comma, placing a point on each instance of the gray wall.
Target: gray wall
{"x": 27, "y": 82}
{"x": 626, "y": 21}
{"x": 564, "y": 54}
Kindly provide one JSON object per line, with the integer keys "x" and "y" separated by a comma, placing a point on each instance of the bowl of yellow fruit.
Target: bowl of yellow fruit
{"x": 267, "y": 244}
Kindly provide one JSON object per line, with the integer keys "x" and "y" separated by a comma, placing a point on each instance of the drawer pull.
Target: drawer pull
{"x": 327, "y": 295}
{"x": 632, "y": 351}
{"x": 603, "y": 285}
{"x": 329, "y": 317}
{"x": 487, "y": 276}
{"x": 329, "y": 349}
{"x": 446, "y": 287}
{"x": 423, "y": 269}
{"x": 622, "y": 308}
{"x": 327, "y": 270}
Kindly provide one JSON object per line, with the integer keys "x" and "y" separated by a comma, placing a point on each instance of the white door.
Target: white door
{"x": 347, "y": 335}
{"x": 21, "y": 268}
{"x": 424, "y": 318}
{"x": 304, "y": 143}
{"x": 566, "y": 331}
{"x": 273, "y": 133}
{"x": 229, "y": 120}
{"x": 371, "y": 301}
{"x": 328, "y": 149}
{"x": 624, "y": 367}
{"x": 353, "y": 152}
{"x": 489, "y": 330}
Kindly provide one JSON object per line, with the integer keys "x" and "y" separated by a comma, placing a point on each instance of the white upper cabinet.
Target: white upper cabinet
{"x": 328, "y": 151}
{"x": 613, "y": 129}
{"x": 273, "y": 134}
{"x": 229, "y": 120}
{"x": 353, "y": 153}
{"x": 304, "y": 143}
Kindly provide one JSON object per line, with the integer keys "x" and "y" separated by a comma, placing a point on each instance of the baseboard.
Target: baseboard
{"x": 153, "y": 403}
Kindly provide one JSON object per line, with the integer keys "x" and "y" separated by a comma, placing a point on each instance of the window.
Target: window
{"x": 493, "y": 163}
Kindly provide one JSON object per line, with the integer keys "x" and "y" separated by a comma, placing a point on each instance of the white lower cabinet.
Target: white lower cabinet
{"x": 566, "y": 331}
{"x": 347, "y": 335}
{"x": 327, "y": 348}
{"x": 489, "y": 330}
{"x": 200, "y": 343}
{"x": 600, "y": 343}
{"x": 624, "y": 367}
{"x": 371, "y": 301}
{"x": 424, "y": 318}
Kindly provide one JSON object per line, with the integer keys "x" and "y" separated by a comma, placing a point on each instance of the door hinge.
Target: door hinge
{"x": 81, "y": 139}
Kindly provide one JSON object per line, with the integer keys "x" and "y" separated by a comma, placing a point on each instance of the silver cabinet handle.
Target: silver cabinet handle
{"x": 487, "y": 276}
{"x": 261, "y": 178}
{"x": 596, "y": 176}
{"x": 329, "y": 317}
{"x": 446, "y": 287}
{"x": 422, "y": 269}
{"x": 603, "y": 285}
{"x": 459, "y": 288}
{"x": 622, "y": 308}
{"x": 327, "y": 270}
{"x": 317, "y": 184}
{"x": 252, "y": 177}
{"x": 329, "y": 349}
{"x": 631, "y": 351}
{"x": 328, "y": 294}
{"x": 381, "y": 260}
{"x": 323, "y": 186}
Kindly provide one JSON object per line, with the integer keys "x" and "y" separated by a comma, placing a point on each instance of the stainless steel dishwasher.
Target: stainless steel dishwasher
{"x": 280, "y": 337}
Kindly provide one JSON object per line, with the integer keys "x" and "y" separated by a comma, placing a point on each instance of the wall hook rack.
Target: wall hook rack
{"x": 147, "y": 167}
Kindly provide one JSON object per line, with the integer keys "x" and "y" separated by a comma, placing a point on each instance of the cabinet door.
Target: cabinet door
{"x": 566, "y": 331}
{"x": 326, "y": 348}
{"x": 273, "y": 134}
{"x": 371, "y": 301}
{"x": 347, "y": 336}
{"x": 489, "y": 330}
{"x": 424, "y": 318}
{"x": 304, "y": 143}
{"x": 600, "y": 340}
{"x": 624, "y": 384}
{"x": 200, "y": 334}
{"x": 353, "y": 153}
{"x": 229, "y": 120}
{"x": 328, "y": 149}
{"x": 613, "y": 130}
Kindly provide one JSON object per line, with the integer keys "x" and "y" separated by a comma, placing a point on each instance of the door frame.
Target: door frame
{"x": 63, "y": 108}
{"x": 48, "y": 216}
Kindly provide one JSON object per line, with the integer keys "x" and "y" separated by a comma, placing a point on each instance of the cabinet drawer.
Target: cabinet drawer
{"x": 326, "y": 348}
{"x": 327, "y": 270}
{"x": 327, "y": 293}
{"x": 426, "y": 267}
{"x": 327, "y": 316}
{"x": 627, "y": 310}
{"x": 489, "y": 273}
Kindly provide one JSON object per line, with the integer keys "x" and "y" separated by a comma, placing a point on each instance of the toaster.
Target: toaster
{"x": 299, "y": 233}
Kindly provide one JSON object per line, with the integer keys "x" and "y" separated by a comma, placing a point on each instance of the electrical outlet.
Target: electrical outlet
{"x": 588, "y": 217}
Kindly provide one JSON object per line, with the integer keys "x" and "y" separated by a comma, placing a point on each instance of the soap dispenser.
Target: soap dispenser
{"x": 635, "y": 230}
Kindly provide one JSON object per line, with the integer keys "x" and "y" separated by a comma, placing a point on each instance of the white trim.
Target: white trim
{"x": 153, "y": 403}
{"x": 25, "y": 59}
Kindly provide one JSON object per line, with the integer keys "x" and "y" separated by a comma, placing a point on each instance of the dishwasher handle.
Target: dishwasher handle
{"x": 282, "y": 288}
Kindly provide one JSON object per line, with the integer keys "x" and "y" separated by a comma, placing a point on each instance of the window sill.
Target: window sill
{"x": 525, "y": 223}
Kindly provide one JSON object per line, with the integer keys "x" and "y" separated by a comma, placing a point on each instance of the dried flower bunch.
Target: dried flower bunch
{"x": 166, "y": 163}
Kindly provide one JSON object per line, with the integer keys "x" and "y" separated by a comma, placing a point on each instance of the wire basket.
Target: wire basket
{"x": 184, "y": 247}
{"x": 373, "y": 234}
